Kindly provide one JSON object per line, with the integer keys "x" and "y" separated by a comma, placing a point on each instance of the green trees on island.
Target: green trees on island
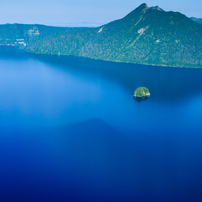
{"x": 141, "y": 93}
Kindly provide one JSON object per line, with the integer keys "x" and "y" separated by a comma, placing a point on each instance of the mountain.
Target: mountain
{"x": 24, "y": 34}
{"x": 198, "y": 20}
{"x": 145, "y": 36}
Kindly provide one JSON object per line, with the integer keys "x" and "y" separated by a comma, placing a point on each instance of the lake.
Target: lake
{"x": 70, "y": 130}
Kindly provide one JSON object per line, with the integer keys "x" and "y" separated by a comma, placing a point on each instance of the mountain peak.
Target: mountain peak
{"x": 144, "y": 36}
{"x": 142, "y": 7}
{"x": 156, "y": 8}
{"x": 138, "y": 11}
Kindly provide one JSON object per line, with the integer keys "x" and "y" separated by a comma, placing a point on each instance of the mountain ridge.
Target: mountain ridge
{"x": 147, "y": 35}
{"x": 25, "y": 34}
{"x": 198, "y": 20}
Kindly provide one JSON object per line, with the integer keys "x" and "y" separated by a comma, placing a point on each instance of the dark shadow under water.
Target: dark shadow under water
{"x": 93, "y": 161}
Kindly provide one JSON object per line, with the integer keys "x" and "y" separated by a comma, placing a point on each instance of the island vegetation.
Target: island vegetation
{"x": 141, "y": 93}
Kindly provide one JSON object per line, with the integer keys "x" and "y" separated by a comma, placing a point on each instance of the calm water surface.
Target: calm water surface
{"x": 70, "y": 130}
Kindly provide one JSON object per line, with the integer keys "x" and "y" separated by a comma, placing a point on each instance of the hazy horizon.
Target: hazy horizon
{"x": 86, "y": 13}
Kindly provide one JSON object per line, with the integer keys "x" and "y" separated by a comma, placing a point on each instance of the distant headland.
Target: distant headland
{"x": 147, "y": 35}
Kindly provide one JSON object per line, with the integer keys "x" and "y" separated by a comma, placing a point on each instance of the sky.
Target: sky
{"x": 88, "y": 13}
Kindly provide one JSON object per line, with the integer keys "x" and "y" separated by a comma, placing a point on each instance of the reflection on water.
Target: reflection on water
{"x": 165, "y": 83}
{"x": 140, "y": 99}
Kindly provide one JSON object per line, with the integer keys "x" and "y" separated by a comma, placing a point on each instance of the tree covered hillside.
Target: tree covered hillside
{"x": 198, "y": 20}
{"x": 145, "y": 36}
{"x": 24, "y": 34}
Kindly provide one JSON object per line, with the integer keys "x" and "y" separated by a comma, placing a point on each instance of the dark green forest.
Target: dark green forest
{"x": 148, "y": 36}
{"x": 25, "y": 34}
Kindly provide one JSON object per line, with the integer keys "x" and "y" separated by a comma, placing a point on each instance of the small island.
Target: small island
{"x": 141, "y": 93}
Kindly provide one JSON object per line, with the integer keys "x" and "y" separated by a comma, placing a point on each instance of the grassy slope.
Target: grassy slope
{"x": 145, "y": 36}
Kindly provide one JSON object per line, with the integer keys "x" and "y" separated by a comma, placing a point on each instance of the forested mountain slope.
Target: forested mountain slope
{"x": 145, "y": 36}
{"x": 25, "y": 34}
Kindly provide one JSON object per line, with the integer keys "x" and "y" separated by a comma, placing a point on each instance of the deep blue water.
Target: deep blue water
{"x": 70, "y": 130}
